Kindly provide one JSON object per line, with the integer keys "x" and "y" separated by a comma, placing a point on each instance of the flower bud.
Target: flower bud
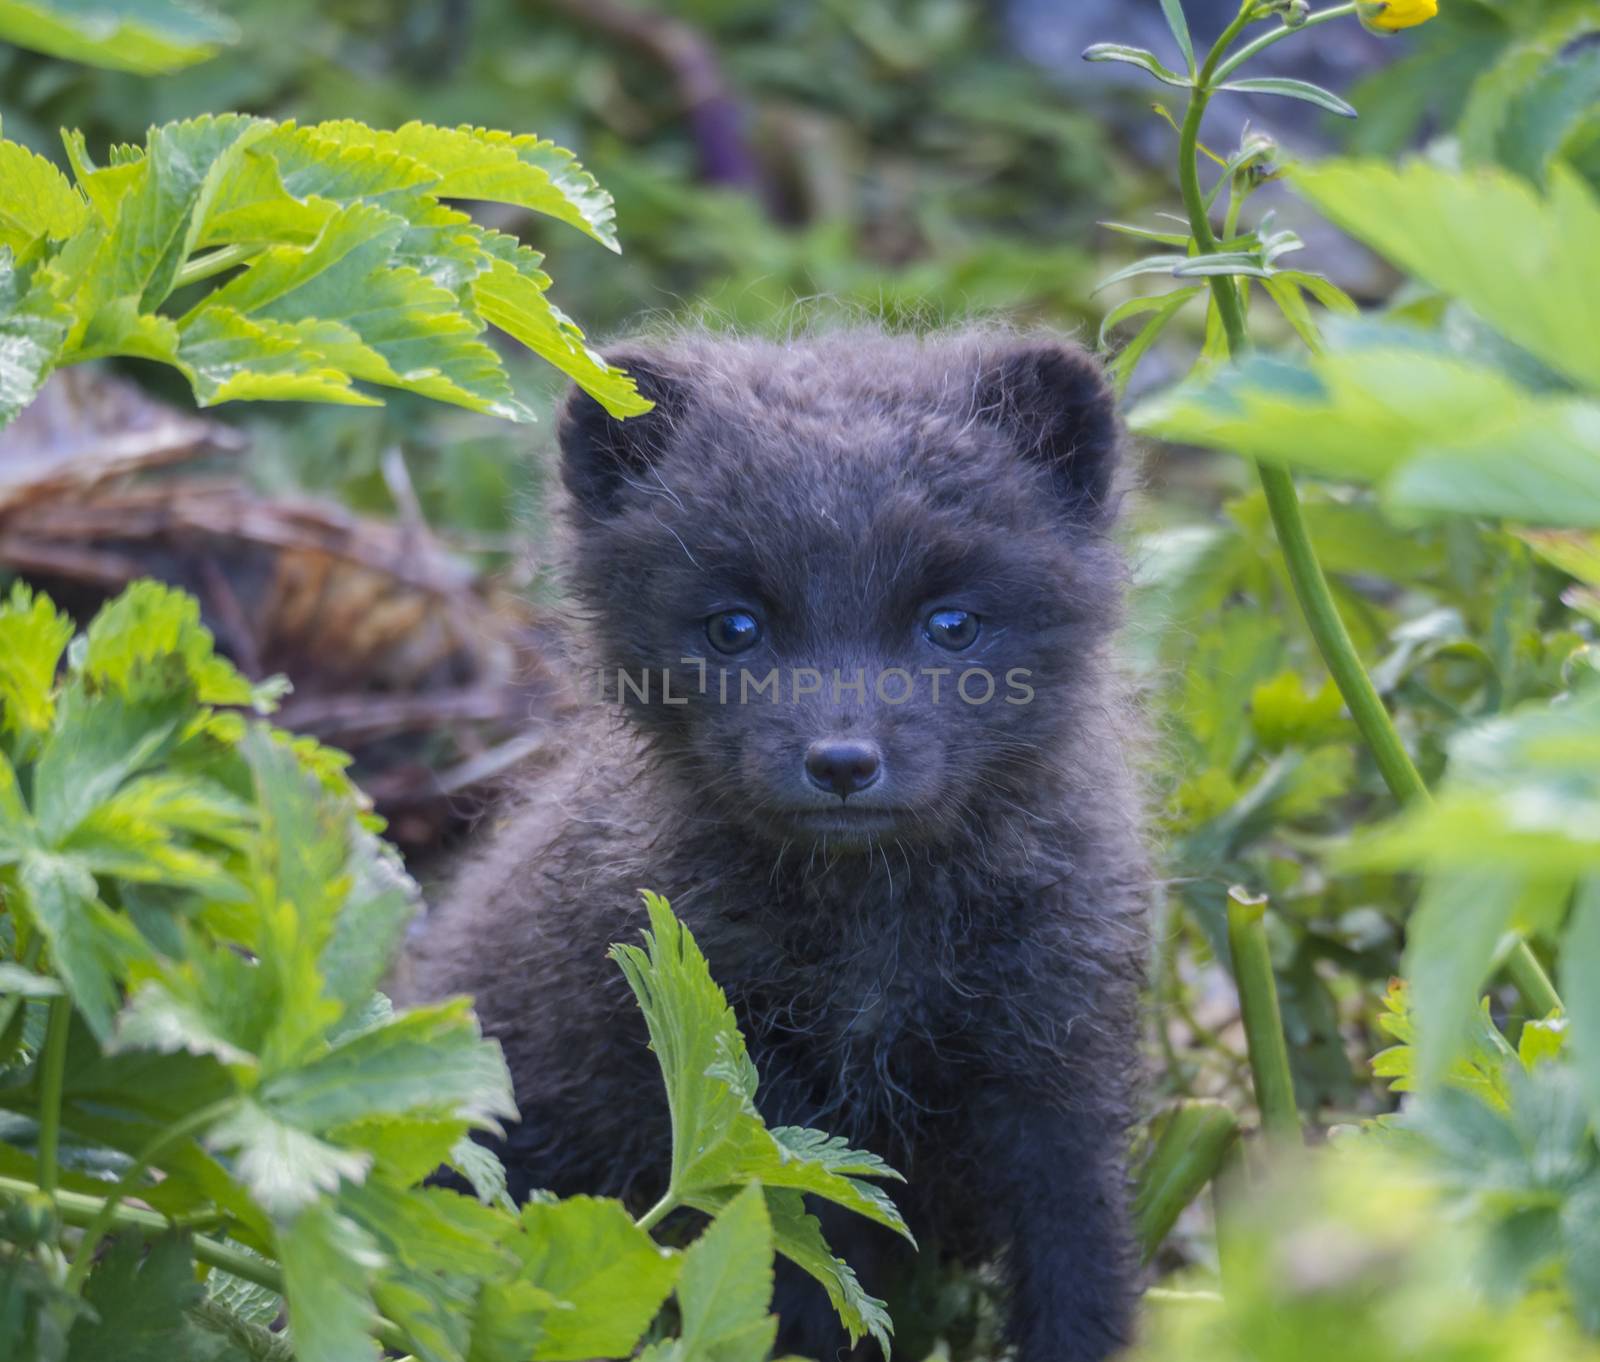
{"x": 1297, "y": 13}
{"x": 1390, "y": 16}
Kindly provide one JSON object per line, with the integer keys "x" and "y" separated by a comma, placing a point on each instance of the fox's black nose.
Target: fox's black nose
{"x": 843, "y": 766}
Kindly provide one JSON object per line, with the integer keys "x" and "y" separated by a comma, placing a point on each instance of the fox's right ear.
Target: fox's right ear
{"x": 601, "y": 454}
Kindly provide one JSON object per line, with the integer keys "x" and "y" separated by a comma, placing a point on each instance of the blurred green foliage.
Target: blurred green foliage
{"x": 899, "y": 158}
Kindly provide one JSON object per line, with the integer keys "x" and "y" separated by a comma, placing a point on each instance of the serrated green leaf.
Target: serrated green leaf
{"x": 1438, "y": 433}
{"x": 433, "y": 1230}
{"x": 365, "y": 317}
{"x": 514, "y": 299}
{"x": 509, "y": 1321}
{"x": 433, "y": 1057}
{"x": 797, "y": 1235}
{"x": 229, "y": 357}
{"x": 139, "y": 1298}
{"x": 39, "y": 202}
{"x": 482, "y": 1169}
{"x": 147, "y": 37}
{"x": 34, "y": 326}
{"x": 285, "y": 1167}
{"x": 99, "y": 742}
{"x": 328, "y": 1263}
{"x": 589, "y": 1254}
{"x": 90, "y": 946}
{"x": 724, "y": 1291}
{"x": 33, "y": 636}
{"x": 158, "y": 217}
{"x": 719, "y": 1139}
{"x": 132, "y": 641}
{"x": 1526, "y": 265}
{"x": 500, "y": 167}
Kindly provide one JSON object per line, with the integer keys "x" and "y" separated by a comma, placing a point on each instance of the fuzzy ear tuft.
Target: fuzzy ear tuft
{"x": 1051, "y": 397}
{"x": 600, "y": 454}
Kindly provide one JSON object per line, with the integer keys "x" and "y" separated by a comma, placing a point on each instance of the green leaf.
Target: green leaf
{"x": 1141, "y": 57}
{"x": 1173, "y": 9}
{"x": 589, "y": 1254}
{"x": 1165, "y": 306}
{"x": 481, "y": 1167}
{"x": 719, "y": 1139}
{"x": 512, "y": 297}
{"x": 1292, "y": 89}
{"x": 328, "y": 1262}
{"x": 133, "y": 642}
{"x": 33, "y": 635}
{"x": 434, "y": 1057}
{"x": 158, "y": 217}
{"x": 1246, "y": 263}
{"x": 724, "y": 1290}
{"x": 90, "y": 946}
{"x": 139, "y": 1298}
{"x": 358, "y": 313}
{"x": 1168, "y": 238}
{"x": 1150, "y": 264}
{"x": 478, "y": 163}
{"x": 33, "y": 329}
{"x": 285, "y": 1167}
{"x": 147, "y": 37}
{"x": 797, "y": 1235}
{"x": 1525, "y": 266}
{"x": 24, "y": 983}
{"x": 1438, "y": 433}
{"x": 39, "y": 200}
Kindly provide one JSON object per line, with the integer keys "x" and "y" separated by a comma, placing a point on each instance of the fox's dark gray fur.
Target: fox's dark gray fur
{"x": 947, "y": 977}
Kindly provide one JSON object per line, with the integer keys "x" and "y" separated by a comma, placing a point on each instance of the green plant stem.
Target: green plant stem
{"x": 76, "y": 1208}
{"x": 1283, "y": 502}
{"x": 53, "y": 1072}
{"x": 1263, "y": 1023}
{"x": 1266, "y": 40}
{"x": 129, "y": 1181}
{"x": 1531, "y": 981}
{"x": 659, "y": 1212}
{"x": 204, "y": 266}
{"x": 1193, "y": 1140}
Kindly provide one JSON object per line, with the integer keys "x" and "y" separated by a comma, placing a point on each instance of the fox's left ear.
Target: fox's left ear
{"x": 1052, "y": 399}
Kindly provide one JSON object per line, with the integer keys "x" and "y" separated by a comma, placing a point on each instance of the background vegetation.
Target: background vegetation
{"x": 920, "y": 160}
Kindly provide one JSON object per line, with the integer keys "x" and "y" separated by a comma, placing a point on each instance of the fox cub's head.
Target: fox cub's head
{"x": 852, "y": 588}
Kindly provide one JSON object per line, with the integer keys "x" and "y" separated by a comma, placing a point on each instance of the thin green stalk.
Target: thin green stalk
{"x": 1283, "y": 503}
{"x": 1531, "y": 980}
{"x": 1263, "y": 1024}
{"x": 129, "y": 1182}
{"x": 659, "y": 1212}
{"x": 1189, "y": 1147}
{"x": 204, "y": 266}
{"x": 53, "y": 1072}
{"x": 1266, "y": 40}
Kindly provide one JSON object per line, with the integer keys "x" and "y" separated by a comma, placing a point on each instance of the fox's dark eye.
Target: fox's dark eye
{"x": 733, "y": 631}
{"x": 952, "y": 629}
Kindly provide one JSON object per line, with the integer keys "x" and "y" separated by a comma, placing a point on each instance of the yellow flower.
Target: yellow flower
{"x": 1390, "y": 16}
